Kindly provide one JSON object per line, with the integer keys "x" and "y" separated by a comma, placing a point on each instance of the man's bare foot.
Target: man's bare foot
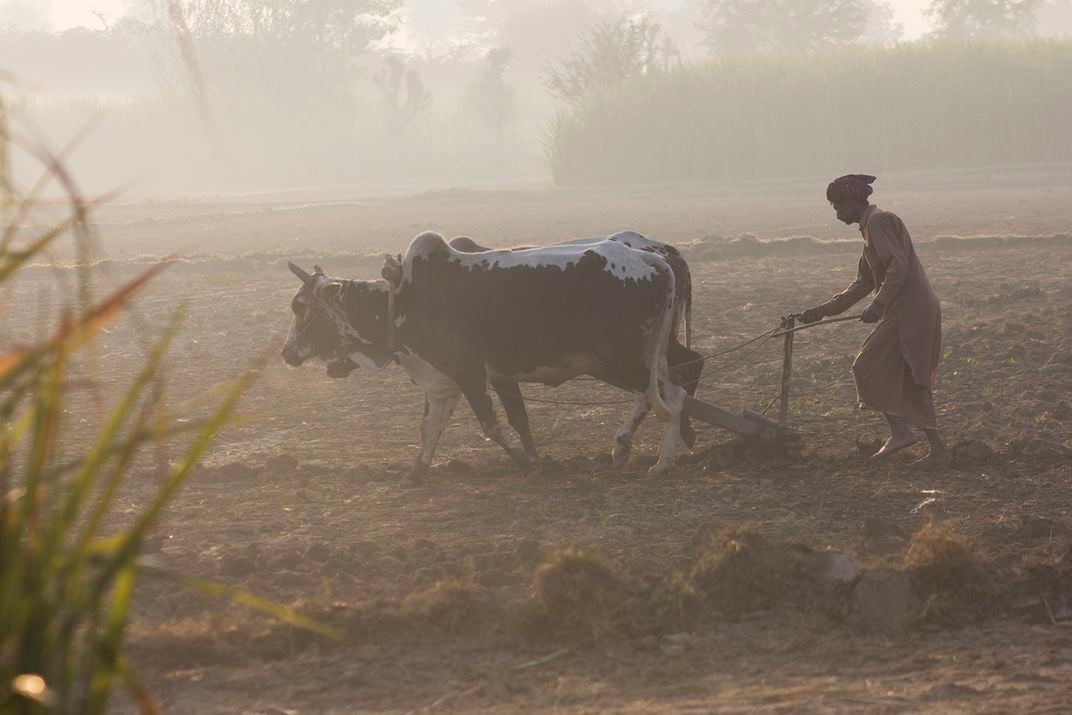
{"x": 894, "y": 445}
{"x": 933, "y": 462}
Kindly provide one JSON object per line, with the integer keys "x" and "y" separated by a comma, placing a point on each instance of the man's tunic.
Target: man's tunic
{"x": 896, "y": 365}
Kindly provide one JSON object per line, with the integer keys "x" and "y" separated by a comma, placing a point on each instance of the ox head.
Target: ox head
{"x": 314, "y": 330}
{"x": 335, "y": 322}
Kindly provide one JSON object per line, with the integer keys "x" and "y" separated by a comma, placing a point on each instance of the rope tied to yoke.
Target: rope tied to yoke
{"x": 784, "y": 328}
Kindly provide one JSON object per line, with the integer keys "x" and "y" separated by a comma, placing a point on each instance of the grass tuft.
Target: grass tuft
{"x": 949, "y": 576}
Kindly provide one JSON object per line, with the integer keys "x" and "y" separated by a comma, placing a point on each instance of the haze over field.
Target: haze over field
{"x": 254, "y": 378}
{"x": 195, "y": 97}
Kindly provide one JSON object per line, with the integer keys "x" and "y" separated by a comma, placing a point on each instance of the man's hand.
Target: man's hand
{"x": 873, "y": 313}
{"x": 812, "y": 315}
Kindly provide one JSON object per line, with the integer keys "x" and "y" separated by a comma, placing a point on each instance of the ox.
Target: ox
{"x": 685, "y": 365}
{"x": 461, "y": 319}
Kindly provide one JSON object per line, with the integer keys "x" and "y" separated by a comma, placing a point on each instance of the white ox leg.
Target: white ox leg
{"x": 623, "y": 440}
{"x": 437, "y": 412}
{"x": 674, "y": 397}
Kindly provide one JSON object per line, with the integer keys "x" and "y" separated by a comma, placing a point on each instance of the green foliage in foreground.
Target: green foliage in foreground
{"x": 915, "y": 106}
{"x": 67, "y": 577}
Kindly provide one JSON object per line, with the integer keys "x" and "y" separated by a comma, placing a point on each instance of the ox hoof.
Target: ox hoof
{"x": 523, "y": 462}
{"x": 619, "y": 458}
{"x": 688, "y": 434}
{"x": 415, "y": 478}
{"x": 659, "y": 470}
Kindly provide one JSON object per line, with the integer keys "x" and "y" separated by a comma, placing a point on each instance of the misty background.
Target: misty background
{"x": 233, "y": 96}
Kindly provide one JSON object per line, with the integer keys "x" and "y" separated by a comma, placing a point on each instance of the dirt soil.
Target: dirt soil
{"x": 579, "y": 588}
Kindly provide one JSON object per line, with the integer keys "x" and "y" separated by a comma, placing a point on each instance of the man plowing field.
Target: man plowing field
{"x": 896, "y": 366}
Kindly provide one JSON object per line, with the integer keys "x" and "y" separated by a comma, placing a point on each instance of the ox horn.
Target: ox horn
{"x": 305, "y": 277}
{"x": 392, "y": 270}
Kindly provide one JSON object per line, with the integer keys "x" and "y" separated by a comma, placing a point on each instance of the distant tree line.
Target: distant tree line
{"x": 939, "y": 104}
{"x": 312, "y": 90}
{"x": 627, "y": 47}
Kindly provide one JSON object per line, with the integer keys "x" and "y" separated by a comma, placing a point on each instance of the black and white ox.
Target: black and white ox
{"x": 460, "y": 320}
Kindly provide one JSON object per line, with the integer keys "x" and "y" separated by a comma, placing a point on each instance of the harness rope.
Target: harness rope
{"x": 764, "y": 337}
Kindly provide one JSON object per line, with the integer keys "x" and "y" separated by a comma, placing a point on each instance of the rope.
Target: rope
{"x": 769, "y": 334}
{"x": 579, "y": 404}
{"x": 773, "y": 332}
{"x": 767, "y": 408}
{"x": 816, "y": 324}
{"x": 762, "y": 339}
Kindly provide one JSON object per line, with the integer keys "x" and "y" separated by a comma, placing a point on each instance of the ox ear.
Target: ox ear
{"x": 318, "y": 271}
{"x": 305, "y": 277}
{"x": 328, "y": 291}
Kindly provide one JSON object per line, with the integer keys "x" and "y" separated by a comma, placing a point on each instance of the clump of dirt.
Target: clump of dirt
{"x": 741, "y": 571}
{"x": 1044, "y": 590}
{"x": 949, "y": 577}
{"x": 575, "y": 593}
{"x": 451, "y": 605}
{"x": 736, "y": 452}
{"x": 973, "y": 451}
{"x": 281, "y": 464}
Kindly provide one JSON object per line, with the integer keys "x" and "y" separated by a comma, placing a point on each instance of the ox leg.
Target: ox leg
{"x": 475, "y": 391}
{"x": 514, "y": 405}
{"x": 674, "y": 397}
{"x": 623, "y": 440}
{"x": 437, "y": 412}
{"x": 685, "y": 368}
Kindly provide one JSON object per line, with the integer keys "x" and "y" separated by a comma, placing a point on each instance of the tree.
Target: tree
{"x": 744, "y": 26}
{"x": 25, "y": 16}
{"x": 612, "y": 52}
{"x": 401, "y": 110}
{"x": 882, "y": 28}
{"x": 1055, "y": 18}
{"x": 490, "y": 96}
{"x": 976, "y": 19}
{"x": 306, "y": 49}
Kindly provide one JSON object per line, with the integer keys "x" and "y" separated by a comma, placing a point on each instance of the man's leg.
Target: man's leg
{"x": 901, "y": 436}
{"x": 938, "y": 457}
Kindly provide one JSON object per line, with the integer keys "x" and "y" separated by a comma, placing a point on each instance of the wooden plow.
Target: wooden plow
{"x": 754, "y": 424}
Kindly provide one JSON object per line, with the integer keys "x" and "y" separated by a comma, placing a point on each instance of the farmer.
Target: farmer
{"x": 895, "y": 368}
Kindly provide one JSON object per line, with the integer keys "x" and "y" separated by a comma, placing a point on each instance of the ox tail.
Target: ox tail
{"x": 659, "y": 364}
{"x": 688, "y": 323}
{"x": 687, "y": 290}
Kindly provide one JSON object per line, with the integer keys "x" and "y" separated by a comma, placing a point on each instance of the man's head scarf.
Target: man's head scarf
{"x": 848, "y": 187}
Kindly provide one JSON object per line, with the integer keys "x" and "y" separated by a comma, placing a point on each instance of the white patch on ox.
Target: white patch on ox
{"x": 432, "y": 382}
{"x": 294, "y": 333}
{"x": 365, "y": 361}
{"x": 629, "y": 264}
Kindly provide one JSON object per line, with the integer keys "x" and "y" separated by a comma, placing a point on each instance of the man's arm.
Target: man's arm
{"x": 851, "y": 295}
